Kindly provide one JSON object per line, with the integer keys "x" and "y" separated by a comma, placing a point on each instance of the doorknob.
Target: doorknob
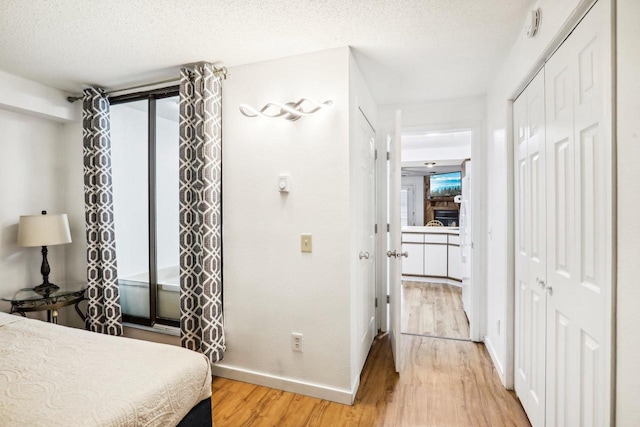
{"x": 541, "y": 283}
{"x": 392, "y": 254}
{"x": 403, "y": 254}
{"x": 364, "y": 255}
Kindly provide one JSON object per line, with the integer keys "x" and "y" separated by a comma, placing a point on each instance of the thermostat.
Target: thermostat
{"x": 284, "y": 183}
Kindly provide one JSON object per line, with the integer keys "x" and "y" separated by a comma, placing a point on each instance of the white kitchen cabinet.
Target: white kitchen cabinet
{"x": 455, "y": 262}
{"x": 435, "y": 259}
{"x": 414, "y": 263}
{"x": 431, "y": 253}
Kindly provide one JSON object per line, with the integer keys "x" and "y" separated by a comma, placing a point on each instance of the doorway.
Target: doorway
{"x": 435, "y": 195}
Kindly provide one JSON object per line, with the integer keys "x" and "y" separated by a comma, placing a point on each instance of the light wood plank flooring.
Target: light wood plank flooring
{"x": 433, "y": 309}
{"x": 444, "y": 383}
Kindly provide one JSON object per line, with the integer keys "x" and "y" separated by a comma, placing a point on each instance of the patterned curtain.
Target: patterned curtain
{"x": 103, "y": 313}
{"x": 201, "y": 320}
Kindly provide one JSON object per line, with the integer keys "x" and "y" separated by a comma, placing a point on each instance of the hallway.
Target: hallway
{"x": 433, "y": 309}
{"x": 444, "y": 383}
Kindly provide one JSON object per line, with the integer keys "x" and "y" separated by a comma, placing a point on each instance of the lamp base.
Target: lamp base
{"x": 46, "y": 288}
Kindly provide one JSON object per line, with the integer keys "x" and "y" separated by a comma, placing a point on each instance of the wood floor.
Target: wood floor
{"x": 444, "y": 383}
{"x": 433, "y": 309}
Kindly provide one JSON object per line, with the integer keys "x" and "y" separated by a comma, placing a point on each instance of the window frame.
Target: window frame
{"x": 151, "y": 96}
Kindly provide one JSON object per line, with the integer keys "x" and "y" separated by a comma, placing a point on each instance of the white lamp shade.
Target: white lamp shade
{"x": 43, "y": 230}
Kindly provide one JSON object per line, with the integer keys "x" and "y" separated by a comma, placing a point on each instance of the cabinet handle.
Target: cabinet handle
{"x": 364, "y": 255}
{"x": 549, "y": 290}
{"x": 403, "y": 254}
{"x": 391, "y": 254}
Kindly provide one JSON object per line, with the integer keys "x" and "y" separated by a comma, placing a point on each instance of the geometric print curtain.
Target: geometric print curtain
{"x": 201, "y": 320}
{"x": 104, "y": 314}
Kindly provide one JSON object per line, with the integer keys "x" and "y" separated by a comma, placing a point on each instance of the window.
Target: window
{"x": 407, "y": 206}
{"x": 144, "y": 151}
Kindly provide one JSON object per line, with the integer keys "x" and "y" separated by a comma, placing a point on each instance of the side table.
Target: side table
{"x": 26, "y": 300}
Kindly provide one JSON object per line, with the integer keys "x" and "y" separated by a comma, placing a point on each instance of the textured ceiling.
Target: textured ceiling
{"x": 409, "y": 50}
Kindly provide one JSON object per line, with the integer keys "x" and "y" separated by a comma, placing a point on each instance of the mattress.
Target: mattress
{"x": 52, "y": 375}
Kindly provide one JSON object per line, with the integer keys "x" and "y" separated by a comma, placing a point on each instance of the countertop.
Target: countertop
{"x": 432, "y": 230}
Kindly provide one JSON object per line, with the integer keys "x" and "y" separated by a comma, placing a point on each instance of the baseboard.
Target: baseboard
{"x": 495, "y": 360}
{"x": 440, "y": 280}
{"x": 345, "y": 397}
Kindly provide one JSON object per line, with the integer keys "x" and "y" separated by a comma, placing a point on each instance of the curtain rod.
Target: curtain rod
{"x": 218, "y": 71}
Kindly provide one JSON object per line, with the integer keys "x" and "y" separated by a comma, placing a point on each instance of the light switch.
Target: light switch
{"x": 305, "y": 242}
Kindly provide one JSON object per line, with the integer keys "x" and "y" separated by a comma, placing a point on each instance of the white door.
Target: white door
{"x": 579, "y": 215}
{"x": 530, "y": 244}
{"x": 395, "y": 237}
{"x": 365, "y": 199}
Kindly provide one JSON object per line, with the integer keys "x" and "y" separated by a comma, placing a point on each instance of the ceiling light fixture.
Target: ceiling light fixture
{"x": 430, "y": 164}
{"x": 290, "y": 111}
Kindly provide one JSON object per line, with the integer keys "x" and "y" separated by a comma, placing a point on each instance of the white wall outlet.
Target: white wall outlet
{"x": 284, "y": 183}
{"x": 296, "y": 342}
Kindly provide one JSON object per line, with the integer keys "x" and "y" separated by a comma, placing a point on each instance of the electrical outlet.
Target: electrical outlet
{"x": 296, "y": 342}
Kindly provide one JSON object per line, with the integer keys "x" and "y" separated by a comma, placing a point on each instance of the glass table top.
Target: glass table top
{"x": 28, "y": 294}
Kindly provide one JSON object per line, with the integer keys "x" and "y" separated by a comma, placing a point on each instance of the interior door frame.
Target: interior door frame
{"x": 478, "y": 222}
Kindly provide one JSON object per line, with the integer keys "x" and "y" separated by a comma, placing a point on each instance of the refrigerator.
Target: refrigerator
{"x": 465, "y": 236}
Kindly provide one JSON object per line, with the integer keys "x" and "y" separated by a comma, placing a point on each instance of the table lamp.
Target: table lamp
{"x": 44, "y": 230}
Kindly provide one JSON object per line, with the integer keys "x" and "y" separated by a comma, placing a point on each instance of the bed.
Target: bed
{"x": 54, "y": 375}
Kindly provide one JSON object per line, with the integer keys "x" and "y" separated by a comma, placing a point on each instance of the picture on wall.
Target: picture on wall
{"x": 445, "y": 185}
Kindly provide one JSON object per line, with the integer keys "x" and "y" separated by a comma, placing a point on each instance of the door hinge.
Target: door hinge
{"x": 388, "y": 228}
{"x": 375, "y": 156}
{"x": 388, "y": 155}
{"x": 375, "y": 229}
{"x": 388, "y": 299}
{"x": 376, "y": 302}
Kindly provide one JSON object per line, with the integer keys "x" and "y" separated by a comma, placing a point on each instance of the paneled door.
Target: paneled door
{"x": 365, "y": 201}
{"x": 530, "y": 244}
{"x": 580, "y": 230}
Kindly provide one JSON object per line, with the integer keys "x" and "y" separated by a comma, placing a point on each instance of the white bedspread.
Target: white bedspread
{"x": 52, "y": 375}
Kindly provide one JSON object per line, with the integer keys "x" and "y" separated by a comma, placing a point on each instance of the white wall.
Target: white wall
{"x": 628, "y": 130}
{"x": 34, "y": 99}
{"x": 30, "y": 183}
{"x": 32, "y": 171}
{"x": 271, "y": 289}
{"x": 525, "y": 57}
{"x": 72, "y": 177}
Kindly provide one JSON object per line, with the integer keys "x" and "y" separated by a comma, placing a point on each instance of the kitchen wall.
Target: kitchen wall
{"x": 628, "y": 133}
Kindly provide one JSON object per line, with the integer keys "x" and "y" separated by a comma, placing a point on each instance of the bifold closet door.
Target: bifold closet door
{"x": 579, "y": 215}
{"x": 530, "y": 211}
